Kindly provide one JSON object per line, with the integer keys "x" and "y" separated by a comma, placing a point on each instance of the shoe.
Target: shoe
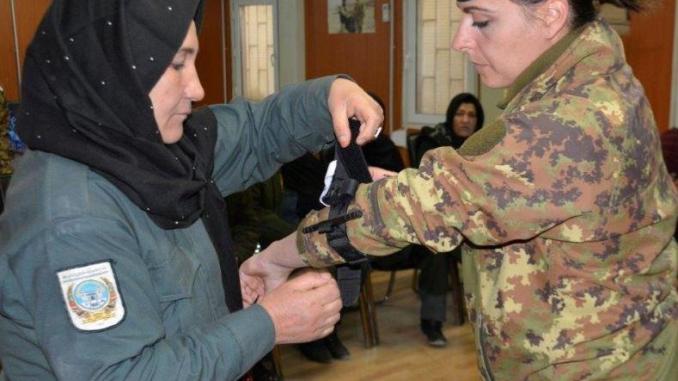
{"x": 434, "y": 333}
{"x": 316, "y": 351}
{"x": 336, "y": 347}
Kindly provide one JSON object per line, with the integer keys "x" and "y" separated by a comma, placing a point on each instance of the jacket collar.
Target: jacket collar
{"x": 590, "y": 39}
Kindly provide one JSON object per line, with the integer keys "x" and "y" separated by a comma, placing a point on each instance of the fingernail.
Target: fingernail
{"x": 376, "y": 134}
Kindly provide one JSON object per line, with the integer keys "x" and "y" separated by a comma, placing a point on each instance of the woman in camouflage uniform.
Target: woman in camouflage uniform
{"x": 564, "y": 199}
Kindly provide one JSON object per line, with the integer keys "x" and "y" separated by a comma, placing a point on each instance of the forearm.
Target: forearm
{"x": 255, "y": 139}
{"x": 283, "y": 254}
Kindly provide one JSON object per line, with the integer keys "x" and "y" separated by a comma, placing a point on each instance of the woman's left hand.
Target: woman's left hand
{"x": 347, "y": 100}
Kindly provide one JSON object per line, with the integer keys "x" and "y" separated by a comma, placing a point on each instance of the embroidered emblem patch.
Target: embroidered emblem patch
{"x": 91, "y": 295}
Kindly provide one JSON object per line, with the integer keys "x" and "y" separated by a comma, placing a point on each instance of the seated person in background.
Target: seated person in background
{"x": 254, "y": 219}
{"x": 464, "y": 117}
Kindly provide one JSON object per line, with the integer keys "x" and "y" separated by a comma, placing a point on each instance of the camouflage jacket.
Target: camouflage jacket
{"x": 5, "y": 154}
{"x": 568, "y": 210}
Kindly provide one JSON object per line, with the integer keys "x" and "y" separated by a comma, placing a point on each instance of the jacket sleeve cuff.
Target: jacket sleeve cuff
{"x": 253, "y": 330}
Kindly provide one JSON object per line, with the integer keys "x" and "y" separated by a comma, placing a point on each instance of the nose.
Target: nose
{"x": 194, "y": 90}
{"x": 462, "y": 41}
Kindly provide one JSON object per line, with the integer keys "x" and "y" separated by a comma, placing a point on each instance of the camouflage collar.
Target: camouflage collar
{"x": 540, "y": 65}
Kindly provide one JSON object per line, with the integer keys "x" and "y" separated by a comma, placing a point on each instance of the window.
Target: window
{"x": 434, "y": 72}
{"x": 255, "y": 70}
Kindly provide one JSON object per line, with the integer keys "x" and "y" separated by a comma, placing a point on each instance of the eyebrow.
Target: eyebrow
{"x": 186, "y": 50}
{"x": 475, "y": 9}
{"x": 471, "y": 8}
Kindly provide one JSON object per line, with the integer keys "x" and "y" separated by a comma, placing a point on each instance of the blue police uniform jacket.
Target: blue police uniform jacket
{"x": 173, "y": 322}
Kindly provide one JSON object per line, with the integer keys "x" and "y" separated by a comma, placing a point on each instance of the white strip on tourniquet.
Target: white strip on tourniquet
{"x": 328, "y": 180}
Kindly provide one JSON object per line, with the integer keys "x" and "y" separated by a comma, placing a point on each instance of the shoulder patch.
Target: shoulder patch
{"x": 484, "y": 140}
{"x": 91, "y": 295}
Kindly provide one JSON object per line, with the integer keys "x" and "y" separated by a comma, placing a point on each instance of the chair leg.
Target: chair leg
{"x": 389, "y": 289}
{"x": 415, "y": 280}
{"x": 277, "y": 361}
{"x": 368, "y": 316}
{"x": 373, "y": 310}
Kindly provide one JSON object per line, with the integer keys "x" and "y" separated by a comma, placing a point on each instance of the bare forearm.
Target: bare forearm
{"x": 283, "y": 254}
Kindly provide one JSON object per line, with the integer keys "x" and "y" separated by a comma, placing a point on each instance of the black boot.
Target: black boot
{"x": 316, "y": 351}
{"x": 336, "y": 347}
{"x": 434, "y": 332}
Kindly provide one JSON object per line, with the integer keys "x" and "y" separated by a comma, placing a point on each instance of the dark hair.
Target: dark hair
{"x": 584, "y": 11}
{"x": 457, "y": 101}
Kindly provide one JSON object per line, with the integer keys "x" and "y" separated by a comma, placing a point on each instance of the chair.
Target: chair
{"x": 402, "y": 260}
{"x": 411, "y": 142}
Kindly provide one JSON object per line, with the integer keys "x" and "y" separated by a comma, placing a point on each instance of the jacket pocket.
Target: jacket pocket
{"x": 174, "y": 278}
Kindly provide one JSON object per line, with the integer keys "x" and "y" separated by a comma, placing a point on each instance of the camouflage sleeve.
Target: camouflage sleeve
{"x": 524, "y": 174}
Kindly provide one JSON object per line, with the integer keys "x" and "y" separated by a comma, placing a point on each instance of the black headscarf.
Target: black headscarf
{"x": 452, "y": 108}
{"x": 85, "y": 96}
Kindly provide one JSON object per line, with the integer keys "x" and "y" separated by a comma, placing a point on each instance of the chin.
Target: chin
{"x": 172, "y": 135}
{"x": 494, "y": 82}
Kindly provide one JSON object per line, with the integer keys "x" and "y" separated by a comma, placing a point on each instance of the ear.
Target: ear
{"x": 555, "y": 16}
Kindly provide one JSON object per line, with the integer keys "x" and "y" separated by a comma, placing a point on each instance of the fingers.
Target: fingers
{"x": 304, "y": 308}
{"x": 347, "y": 100}
{"x": 310, "y": 279}
{"x": 371, "y": 117}
{"x": 329, "y": 319}
{"x": 340, "y": 122}
{"x": 251, "y": 289}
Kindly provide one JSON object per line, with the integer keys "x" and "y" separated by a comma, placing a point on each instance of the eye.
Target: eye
{"x": 177, "y": 66}
{"x": 480, "y": 24}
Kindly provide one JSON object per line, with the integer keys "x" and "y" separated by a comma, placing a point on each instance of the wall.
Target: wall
{"x": 649, "y": 51}
{"x": 292, "y": 42}
{"x": 363, "y": 56}
{"x": 214, "y": 48}
{"x": 28, "y": 15}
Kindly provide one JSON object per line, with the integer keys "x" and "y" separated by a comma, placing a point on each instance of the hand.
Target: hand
{"x": 347, "y": 99}
{"x": 251, "y": 288}
{"x": 379, "y": 173}
{"x": 258, "y": 276}
{"x": 304, "y": 308}
{"x": 265, "y": 271}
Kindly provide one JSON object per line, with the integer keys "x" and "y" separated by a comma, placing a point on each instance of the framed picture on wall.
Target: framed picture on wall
{"x": 351, "y": 16}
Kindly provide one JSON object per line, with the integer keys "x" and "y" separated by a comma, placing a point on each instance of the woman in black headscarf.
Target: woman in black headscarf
{"x": 115, "y": 218}
{"x": 463, "y": 118}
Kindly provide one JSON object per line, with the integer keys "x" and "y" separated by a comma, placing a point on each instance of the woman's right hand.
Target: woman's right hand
{"x": 305, "y": 308}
